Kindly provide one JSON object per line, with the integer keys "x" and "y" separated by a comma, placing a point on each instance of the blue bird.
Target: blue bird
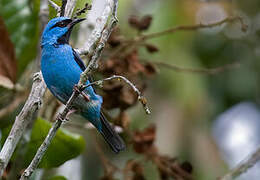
{"x": 61, "y": 67}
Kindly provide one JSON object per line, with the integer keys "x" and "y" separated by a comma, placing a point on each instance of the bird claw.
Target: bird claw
{"x": 66, "y": 119}
{"x": 85, "y": 96}
{"x": 76, "y": 88}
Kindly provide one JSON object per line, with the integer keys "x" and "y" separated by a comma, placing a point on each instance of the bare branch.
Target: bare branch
{"x": 63, "y": 6}
{"x": 133, "y": 42}
{"x": 82, "y": 11}
{"x": 22, "y": 120}
{"x": 44, "y": 146}
{"x": 70, "y": 5}
{"x": 243, "y": 166}
{"x": 93, "y": 64}
{"x": 95, "y": 24}
{"x": 193, "y": 27}
{"x": 55, "y": 6}
{"x": 210, "y": 71}
{"x": 140, "y": 97}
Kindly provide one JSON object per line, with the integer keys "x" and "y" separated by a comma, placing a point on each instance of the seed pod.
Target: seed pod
{"x": 145, "y": 22}
{"x": 151, "y": 48}
{"x": 133, "y": 21}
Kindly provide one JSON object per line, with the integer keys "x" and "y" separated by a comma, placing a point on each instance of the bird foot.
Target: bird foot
{"x": 66, "y": 119}
{"x": 85, "y": 96}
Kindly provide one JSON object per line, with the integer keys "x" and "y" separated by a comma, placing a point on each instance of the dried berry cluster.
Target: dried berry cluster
{"x": 143, "y": 143}
{"x": 141, "y": 24}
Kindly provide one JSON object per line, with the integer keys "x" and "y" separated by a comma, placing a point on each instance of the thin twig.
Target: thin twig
{"x": 63, "y": 6}
{"x": 97, "y": 25}
{"x": 55, "y": 6}
{"x": 22, "y": 120}
{"x": 93, "y": 64}
{"x": 77, "y": 90}
{"x": 210, "y": 71}
{"x": 141, "y": 98}
{"x": 70, "y": 5}
{"x": 133, "y": 42}
{"x": 29, "y": 110}
{"x": 82, "y": 11}
{"x": 192, "y": 27}
{"x": 44, "y": 146}
{"x": 243, "y": 166}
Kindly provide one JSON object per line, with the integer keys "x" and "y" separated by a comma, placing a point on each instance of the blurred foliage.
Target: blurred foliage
{"x": 58, "y": 178}
{"x": 184, "y": 104}
{"x": 8, "y": 66}
{"x": 21, "y": 19}
{"x": 65, "y": 145}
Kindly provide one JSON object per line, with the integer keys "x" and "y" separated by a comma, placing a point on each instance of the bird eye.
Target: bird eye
{"x": 62, "y": 24}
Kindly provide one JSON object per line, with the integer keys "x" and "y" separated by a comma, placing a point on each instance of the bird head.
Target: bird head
{"x": 58, "y": 30}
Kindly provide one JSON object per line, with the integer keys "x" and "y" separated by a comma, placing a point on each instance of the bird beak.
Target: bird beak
{"x": 75, "y": 21}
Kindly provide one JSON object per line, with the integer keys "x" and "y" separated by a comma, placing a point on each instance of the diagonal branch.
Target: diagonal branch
{"x": 77, "y": 90}
{"x": 95, "y": 24}
{"x": 22, "y": 120}
{"x": 243, "y": 166}
{"x": 55, "y": 6}
{"x": 209, "y": 71}
{"x": 193, "y": 27}
{"x": 63, "y": 6}
{"x": 70, "y": 5}
{"x": 47, "y": 141}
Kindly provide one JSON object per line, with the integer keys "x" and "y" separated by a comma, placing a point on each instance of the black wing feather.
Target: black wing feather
{"x": 81, "y": 65}
{"x": 78, "y": 60}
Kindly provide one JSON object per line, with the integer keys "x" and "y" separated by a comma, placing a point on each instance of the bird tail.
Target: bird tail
{"x": 112, "y": 138}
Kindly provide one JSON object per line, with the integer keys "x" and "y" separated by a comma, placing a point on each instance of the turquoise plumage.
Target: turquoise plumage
{"x": 61, "y": 67}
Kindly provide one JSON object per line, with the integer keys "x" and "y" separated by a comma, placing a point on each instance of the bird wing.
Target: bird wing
{"x": 78, "y": 60}
{"x": 81, "y": 65}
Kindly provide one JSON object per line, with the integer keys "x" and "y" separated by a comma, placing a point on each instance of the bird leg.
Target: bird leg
{"x": 85, "y": 96}
{"x": 67, "y": 115}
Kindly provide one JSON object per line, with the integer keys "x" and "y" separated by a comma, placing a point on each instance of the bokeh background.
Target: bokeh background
{"x": 210, "y": 121}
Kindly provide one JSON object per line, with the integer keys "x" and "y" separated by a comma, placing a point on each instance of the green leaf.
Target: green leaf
{"x": 21, "y": 19}
{"x": 57, "y": 178}
{"x": 64, "y": 146}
